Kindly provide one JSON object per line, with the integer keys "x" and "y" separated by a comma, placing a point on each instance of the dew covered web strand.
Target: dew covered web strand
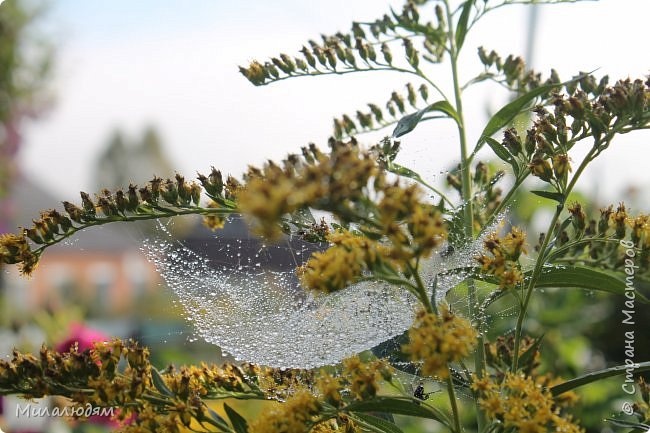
{"x": 244, "y": 296}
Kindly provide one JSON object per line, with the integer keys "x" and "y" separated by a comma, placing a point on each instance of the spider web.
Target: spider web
{"x": 244, "y": 296}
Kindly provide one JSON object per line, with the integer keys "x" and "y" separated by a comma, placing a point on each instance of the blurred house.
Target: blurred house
{"x": 104, "y": 270}
{"x": 101, "y": 269}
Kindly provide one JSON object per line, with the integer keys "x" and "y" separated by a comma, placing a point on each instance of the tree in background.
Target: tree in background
{"x": 122, "y": 161}
{"x": 25, "y": 70}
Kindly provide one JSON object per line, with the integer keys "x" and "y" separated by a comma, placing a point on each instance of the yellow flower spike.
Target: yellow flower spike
{"x": 329, "y": 388}
{"x": 523, "y": 403}
{"x": 293, "y": 416}
{"x": 502, "y": 260}
{"x": 437, "y": 340}
{"x": 342, "y": 263}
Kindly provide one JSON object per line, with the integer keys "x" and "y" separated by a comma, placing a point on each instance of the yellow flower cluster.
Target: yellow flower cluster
{"x": 343, "y": 424}
{"x": 523, "y": 403}
{"x": 346, "y": 260}
{"x": 15, "y": 249}
{"x": 329, "y": 182}
{"x": 279, "y": 383}
{"x": 362, "y": 378}
{"x": 437, "y": 340}
{"x": 119, "y": 374}
{"x": 295, "y": 415}
{"x": 306, "y": 394}
{"x": 502, "y": 260}
{"x": 413, "y": 227}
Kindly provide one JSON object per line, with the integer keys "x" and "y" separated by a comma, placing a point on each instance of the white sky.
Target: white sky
{"x": 174, "y": 64}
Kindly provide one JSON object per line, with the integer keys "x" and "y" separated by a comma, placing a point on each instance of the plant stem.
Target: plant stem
{"x": 466, "y": 192}
{"x": 157, "y": 213}
{"x": 452, "y": 400}
{"x": 422, "y": 291}
{"x": 541, "y": 258}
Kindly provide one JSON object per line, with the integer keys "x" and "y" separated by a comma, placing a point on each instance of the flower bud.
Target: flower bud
{"x": 331, "y": 58}
{"x": 390, "y": 108}
{"x": 512, "y": 141}
{"x": 561, "y": 165}
{"x": 388, "y": 56}
{"x": 578, "y": 219}
{"x": 541, "y": 168}
{"x": 481, "y": 173}
{"x": 349, "y": 57}
{"x": 288, "y": 61}
{"x": 411, "y": 53}
{"x": 357, "y": 31}
{"x": 300, "y": 63}
{"x": 619, "y": 219}
{"x": 308, "y": 56}
{"x": 372, "y": 54}
{"x": 155, "y": 187}
{"x": 120, "y": 200}
{"x": 169, "y": 192}
{"x": 454, "y": 182}
{"x": 73, "y": 211}
{"x": 254, "y": 73}
{"x": 376, "y": 111}
{"x": 145, "y": 195}
{"x": 88, "y": 205}
{"x": 133, "y": 200}
{"x": 424, "y": 92}
{"x": 32, "y": 233}
{"x": 399, "y": 101}
{"x": 270, "y": 70}
{"x": 411, "y": 97}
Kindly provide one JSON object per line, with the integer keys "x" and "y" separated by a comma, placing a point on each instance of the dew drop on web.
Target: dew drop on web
{"x": 244, "y": 297}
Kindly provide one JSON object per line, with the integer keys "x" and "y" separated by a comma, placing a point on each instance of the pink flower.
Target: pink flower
{"x": 83, "y": 336}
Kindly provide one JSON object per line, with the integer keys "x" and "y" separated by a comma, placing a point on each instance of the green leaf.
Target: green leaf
{"x": 572, "y": 277}
{"x": 238, "y": 422}
{"x": 304, "y": 215}
{"x": 160, "y": 384}
{"x": 508, "y": 112}
{"x": 597, "y": 375}
{"x": 400, "y": 406}
{"x": 552, "y": 195}
{"x": 217, "y": 418}
{"x": 501, "y": 151}
{"x": 408, "y": 123}
{"x": 375, "y": 424}
{"x": 628, "y": 424}
{"x": 584, "y": 278}
{"x": 461, "y": 29}
{"x": 403, "y": 171}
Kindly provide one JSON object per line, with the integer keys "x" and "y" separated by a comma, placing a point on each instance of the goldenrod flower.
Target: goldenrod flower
{"x": 363, "y": 377}
{"x": 523, "y": 403}
{"x": 328, "y": 182}
{"x": 296, "y": 415}
{"x": 345, "y": 261}
{"x": 502, "y": 260}
{"x": 437, "y": 340}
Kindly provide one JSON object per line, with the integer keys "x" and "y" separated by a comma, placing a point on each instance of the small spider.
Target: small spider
{"x": 420, "y": 394}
